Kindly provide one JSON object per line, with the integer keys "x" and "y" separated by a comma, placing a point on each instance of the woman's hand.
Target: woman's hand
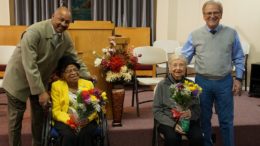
{"x": 83, "y": 122}
{"x": 72, "y": 123}
{"x": 186, "y": 114}
{"x": 74, "y": 118}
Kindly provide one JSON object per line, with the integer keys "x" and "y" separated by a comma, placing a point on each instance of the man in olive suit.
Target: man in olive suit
{"x": 29, "y": 69}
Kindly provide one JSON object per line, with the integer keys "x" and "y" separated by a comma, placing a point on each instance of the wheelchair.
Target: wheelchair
{"x": 50, "y": 136}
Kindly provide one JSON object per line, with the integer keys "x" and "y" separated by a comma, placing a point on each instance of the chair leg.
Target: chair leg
{"x": 2, "y": 92}
{"x": 245, "y": 80}
{"x": 133, "y": 92}
{"x": 133, "y": 97}
{"x": 137, "y": 101}
{"x": 137, "y": 105}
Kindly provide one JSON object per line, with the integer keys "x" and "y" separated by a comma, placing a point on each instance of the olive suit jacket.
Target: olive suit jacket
{"x": 35, "y": 59}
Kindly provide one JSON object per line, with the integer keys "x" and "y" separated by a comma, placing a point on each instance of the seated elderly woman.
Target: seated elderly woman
{"x": 164, "y": 104}
{"x": 63, "y": 92}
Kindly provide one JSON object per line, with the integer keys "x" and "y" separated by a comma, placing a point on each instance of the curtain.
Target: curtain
{"x": 126, "y": 13}
{"x": 28, "y": 12}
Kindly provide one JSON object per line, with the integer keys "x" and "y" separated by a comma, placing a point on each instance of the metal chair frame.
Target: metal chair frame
{"x": 169, "y": 46}
{"x": 147, "y": 55}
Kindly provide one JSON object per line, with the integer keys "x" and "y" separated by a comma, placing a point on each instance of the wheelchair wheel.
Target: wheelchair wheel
{"x": 46, "y": 137}
{"x": 102, "y": 139}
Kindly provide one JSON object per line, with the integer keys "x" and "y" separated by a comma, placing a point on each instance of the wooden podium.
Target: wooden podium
{"x": 89, "y": 36}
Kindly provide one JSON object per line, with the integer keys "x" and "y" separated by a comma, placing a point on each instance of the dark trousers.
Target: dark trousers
{"x": 16, "y": 109}
{"x": 173, "y": 138}
{"x": 85, "y": 137}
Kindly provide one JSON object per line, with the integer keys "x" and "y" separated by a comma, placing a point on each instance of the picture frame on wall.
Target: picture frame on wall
{"x": 81, "y": 9}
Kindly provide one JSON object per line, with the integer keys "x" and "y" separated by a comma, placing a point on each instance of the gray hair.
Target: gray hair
{"x": 213, "y": 2}
{"x": 173, "y": 57}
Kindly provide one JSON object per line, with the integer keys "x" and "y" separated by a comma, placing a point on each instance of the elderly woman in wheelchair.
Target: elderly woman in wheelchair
{"x": 164, "y": 106}
{"x": 63, "y": 93}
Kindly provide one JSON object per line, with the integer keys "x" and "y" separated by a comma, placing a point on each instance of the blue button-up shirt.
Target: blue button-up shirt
{"x": 188, "y": 51}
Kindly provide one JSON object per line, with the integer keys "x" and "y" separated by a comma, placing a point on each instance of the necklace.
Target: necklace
{"x": 73, "y": 90}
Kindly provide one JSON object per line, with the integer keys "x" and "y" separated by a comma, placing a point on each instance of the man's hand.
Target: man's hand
{"x": 93, "y": 78}
{"x": 44, "y": 99}
{"x": 236, "y": 87}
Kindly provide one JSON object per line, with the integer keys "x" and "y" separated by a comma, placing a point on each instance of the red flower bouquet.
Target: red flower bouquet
{"x": 116, "y": 63}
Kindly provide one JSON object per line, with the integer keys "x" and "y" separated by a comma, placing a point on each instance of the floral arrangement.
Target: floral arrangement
{"x": 86, "y": 103}
{"x": 117, "y": 63}
{"x": 183, "y": 94}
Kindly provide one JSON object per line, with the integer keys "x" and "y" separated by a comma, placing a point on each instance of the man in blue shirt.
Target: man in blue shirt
{"x": 216, "y": 49}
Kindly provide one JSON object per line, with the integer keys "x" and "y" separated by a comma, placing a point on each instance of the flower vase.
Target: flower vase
{"x": 118, "y": 96}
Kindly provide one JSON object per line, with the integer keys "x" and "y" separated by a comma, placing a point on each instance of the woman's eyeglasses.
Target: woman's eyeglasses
{"x": 69, "y": 71}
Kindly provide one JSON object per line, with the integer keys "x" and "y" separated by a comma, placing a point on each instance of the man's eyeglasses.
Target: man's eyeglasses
{"x": 212, "y": 13}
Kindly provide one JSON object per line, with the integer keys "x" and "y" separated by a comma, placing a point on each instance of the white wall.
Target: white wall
{"x": 243, "y": 15}
{"x": 162, "y": 16}
{"x": 5, "y": 14}
{"x": 166, "y": 18}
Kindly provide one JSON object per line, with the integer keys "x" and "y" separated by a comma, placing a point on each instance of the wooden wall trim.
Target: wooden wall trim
{"x": 107, "y": 25}
{"x": 10, "y": 35}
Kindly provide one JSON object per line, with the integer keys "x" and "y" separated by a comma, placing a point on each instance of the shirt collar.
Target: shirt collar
{"x": 217, "y": 28}
{"x": 173, "y": 81}
{"x": 54, "y": 32}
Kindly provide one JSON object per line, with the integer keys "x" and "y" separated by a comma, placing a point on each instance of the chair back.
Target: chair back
{"x": 6, "y": 53}
{"x": 168, "y": 45}
{"x": 149, "y": 55}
